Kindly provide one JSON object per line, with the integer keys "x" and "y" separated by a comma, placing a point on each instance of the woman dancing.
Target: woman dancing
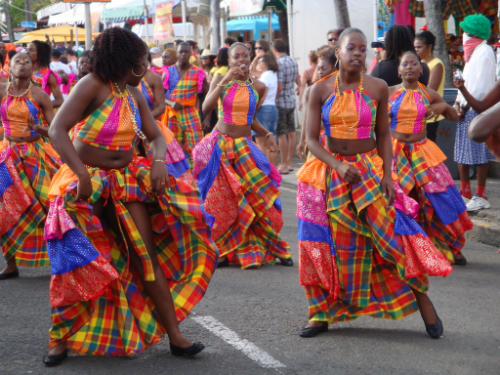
{"x": 238, "y": 184}
{"x": 27, "y": 166}
{"x": 111, "y": 209}
{"x": 419, "y": 162}
{"x": 364, "y": 267}
{"x": 40, "y": 54}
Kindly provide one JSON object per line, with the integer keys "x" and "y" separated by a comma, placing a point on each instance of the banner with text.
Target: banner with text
{"x": 163, "y": 27}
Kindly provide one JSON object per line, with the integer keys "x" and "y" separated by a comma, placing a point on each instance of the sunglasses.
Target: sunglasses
{"x": 261, "y": 61}
{"x": 205, "y": 58}
{"x": 259, "y": 48}
{"x": 332, "y": 39}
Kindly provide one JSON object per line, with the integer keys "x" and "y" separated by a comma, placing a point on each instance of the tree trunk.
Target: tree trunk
{"x": 215, "y": 42}
{"x": 342, "y": 14}
{"x": 8, "y": 20}
{"x": 283, "y": 21}
{"x": 434, "y": 18}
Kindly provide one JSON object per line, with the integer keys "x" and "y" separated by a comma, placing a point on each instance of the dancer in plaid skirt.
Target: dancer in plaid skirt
{"x": 27, "y": 165}
{"x": 373, "y": 265}
{"x": 131, "y": 252}
{"x": 238, "y": 184}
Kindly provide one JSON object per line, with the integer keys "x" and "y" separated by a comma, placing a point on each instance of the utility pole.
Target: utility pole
{"x": 27, "y": 9}
{"x": 8, "y": 20}
{"x": 342, "y": 14}
{"x": 215, "y": 18}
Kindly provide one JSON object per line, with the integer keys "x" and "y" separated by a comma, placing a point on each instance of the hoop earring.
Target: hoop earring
{"x": 337, "y": 64}
{"x": 421, "y": 73}
{"x": 138, "y": 75}
{"x": 399, "y": 75}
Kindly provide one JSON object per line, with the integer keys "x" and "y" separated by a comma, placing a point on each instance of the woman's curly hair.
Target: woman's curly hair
{"x": 43, "y": 53}
{"x": 114, "y": 52}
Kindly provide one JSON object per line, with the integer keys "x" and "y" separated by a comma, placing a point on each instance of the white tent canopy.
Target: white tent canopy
{"x": 75, "y": 15}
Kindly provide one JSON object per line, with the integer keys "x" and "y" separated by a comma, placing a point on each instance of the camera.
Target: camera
{"x": 378, "y": 45}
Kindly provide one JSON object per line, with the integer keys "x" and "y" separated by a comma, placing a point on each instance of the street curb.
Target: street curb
{"x": 484, "y": 232}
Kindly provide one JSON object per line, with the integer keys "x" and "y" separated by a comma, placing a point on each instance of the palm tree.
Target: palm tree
{"x": 434, "y": 18}
{"x": 342, "y": 14}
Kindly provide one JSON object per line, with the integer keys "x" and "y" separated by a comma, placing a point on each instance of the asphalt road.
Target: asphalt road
{"x": 257, "y": 315}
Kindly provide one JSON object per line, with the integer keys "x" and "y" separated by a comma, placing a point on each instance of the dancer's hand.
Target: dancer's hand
{"x": 177, "y": 106}
{"x": 31, "y": 124}
{"x": 388, "y": 190}
{"x": 159, "y": 177}
{"x": 84, "y": 188}
{"x": 301, "y": 149}
{"x": 349, "y": 173}
{"x": 205, "y": 126}
{"x": 435, "y": 110}
{"x": 234, "y": 72}
{"x": 271, "y": 144}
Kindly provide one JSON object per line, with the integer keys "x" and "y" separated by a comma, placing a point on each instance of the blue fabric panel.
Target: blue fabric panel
{"x": 315, "y": 232}
{"x": 325, "y": 114}
{"x": 395, "y": 109}
{"x": 177, "y": 169}
{"x": 406, "y": 225}
{"x": 173, "y": 80}
{"x": 148, "y": 97}
{"x": 33, "y": 112}
{"x": 5, "y": 179}
{"x": 72, "y": 251}
{"x": 207, "y": 176}
{"x": 448, "y": 205}
{"x": 137, "y": 115}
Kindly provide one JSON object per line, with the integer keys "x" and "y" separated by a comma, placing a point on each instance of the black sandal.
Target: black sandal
{"x": 224, "y": 263}
{"x": 190, "y": 351}
{"x": 55, "y": 360}
{"x": 286, "y": 262}
{"x": 314, "y": 331}
{"x": 461, "y": 261}
{"x": 10, "y": 275}
{"x": 435, "y": 330}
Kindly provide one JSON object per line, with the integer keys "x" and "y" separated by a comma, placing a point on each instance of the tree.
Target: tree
{"x": 215, "y": 43}
{"x": 8, "y": 20}
{"x": 434, "y": 18}
{"x": 342, "y": 14}
{"x": 17, "y": 13}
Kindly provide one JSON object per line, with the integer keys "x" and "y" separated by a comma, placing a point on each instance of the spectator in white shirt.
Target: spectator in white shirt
{"x": 56, "y": 63}
{"x": 72, "y": 57}
{"x": 268, "y": 113}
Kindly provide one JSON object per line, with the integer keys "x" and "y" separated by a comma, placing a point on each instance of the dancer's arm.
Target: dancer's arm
{"x": 216, "y": 88}
{"x": 440, "y": 107}
{"x": 491, "y": 98}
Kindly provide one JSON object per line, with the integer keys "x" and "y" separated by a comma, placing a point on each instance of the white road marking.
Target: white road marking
{"x": 232, "y": 338}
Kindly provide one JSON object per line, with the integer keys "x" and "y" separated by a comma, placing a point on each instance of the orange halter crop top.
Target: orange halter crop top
{"x": 238, "y": 102}
{"x": 15, "y": 111}
{"x": 349, "y": 115}
{"x": 114, "y": 125}
{"x": 407, "y": 110}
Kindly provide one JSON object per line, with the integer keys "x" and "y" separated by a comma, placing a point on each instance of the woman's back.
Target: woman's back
{"x": 270, "y": 79}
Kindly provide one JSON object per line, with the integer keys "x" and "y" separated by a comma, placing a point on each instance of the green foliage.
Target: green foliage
{"x": 19, "y": 15}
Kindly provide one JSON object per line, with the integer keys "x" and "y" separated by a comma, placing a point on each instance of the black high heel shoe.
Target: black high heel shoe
{"x": 314, "y": 331}
{"x": 224, "y": 263}
{"x": 286, "y": 262}
{"x": 461, "y": 261}
{"x": 55, "y": 360}
{"x": 10, "y": 275}
{"x": 435, "y": 330}
{"x": 190, "y": 351}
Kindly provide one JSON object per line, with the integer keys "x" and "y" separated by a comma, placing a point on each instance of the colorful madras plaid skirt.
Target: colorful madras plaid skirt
{"x": 423, "y": 176}
{"x": 98, "y": 306}
{"x": 26, "y": 170}
{"x": 186, "y": 126}
{"x": 240, "y": 190}
{"x": 370, "y": 255}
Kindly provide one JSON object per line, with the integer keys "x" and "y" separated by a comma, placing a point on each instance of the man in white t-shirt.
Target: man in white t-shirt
{"x": 56, "y": 63}
{"x": 72, "y": 60}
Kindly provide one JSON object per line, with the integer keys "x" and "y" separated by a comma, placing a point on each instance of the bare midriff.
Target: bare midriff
{"x": 409, "y": 138}
{"x": 28, "y": 139}
{"x": 100, "y": 158}
{"x": 233, "y": 131}
{"x": 349, "y": 147}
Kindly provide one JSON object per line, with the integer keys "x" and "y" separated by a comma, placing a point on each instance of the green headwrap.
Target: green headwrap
{"x": 477, "y": 25}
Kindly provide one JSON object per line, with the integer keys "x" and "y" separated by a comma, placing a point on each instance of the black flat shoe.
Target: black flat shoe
{"x": 55, "y": 360}
{"x": 313, "y": 331}
{"x": 435, "y": 330}
{"x": 286, "y": 262}
{"x": 10, "y": 275}
{"x": 461, "y": 261}
{"x": 224, "y": 263}
{"x": 192, "y": 350}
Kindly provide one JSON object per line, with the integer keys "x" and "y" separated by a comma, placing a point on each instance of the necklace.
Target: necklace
{"x": 247, "y": 83}
{"x": 126, "y": 94}
{"x": 9, "y": 90}
{"x": 409, "y": 92}
{"x": 340, "y": 101}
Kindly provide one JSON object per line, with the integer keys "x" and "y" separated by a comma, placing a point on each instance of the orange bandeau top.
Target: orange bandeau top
{"x": 349, "y": 115}
{"x": 114, "y": 125}
{"x": 238, "y": 102}
{"x": 407, "y": 110}
{"x": 15, "y": 112}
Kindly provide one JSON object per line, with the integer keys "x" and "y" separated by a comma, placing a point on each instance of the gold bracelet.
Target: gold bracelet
{"x": 162, "y": 161}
